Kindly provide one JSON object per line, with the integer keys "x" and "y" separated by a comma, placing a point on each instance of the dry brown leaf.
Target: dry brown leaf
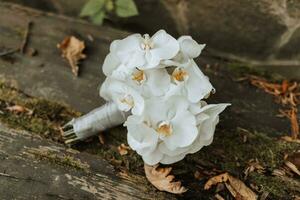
{"x": 297, "y": 198}
{"x": 291, "y": 114}
{"x": 278, "y": 172}
{"x": 123, "y": 149}
{"x": 292, "y": 167}
{"x": 162, "y": 180}
{"x": 264, "y": 195}
{"x": 285, "y": 86}
{"x": 287, "y": 94}
{"x": 294, "y": 123}
{"x": 101, "y": 138}
{"x": 19, "y": 109}
{"x": 72, "y": 48}
{"x": 198, "y": 175}
{"x": 290, "y": 139}
{"x": 235, "y": 186}
{"x": 295, "y": 159}
{"x": 219, "y": 197}
{"x": 253, "y": 165}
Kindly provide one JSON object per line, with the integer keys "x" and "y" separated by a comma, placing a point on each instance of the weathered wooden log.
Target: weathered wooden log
{"x": 35, "y": 168}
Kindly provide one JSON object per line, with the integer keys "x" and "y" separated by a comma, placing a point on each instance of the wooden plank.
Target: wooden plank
{"x": 35, "y": 168}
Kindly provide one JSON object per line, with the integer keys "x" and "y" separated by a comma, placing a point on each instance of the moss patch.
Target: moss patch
{"x": 59, "y": 158}
{"x": 241, "y": 69}
{"x": 46, "y": 116}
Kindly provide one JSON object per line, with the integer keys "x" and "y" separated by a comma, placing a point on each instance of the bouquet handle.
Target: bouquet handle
{"x": 99, "y": 119}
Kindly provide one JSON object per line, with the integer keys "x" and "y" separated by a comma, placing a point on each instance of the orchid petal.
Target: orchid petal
{"x": 171, "y": 159}
{"x": 189, "y": 47}
{"x": 114, "y": 90}
{"x": 184, "y": 131}
{"x": 158, "y": 81}
{"x": 140, "y": 137}
{"x": 153, "y": 158}
{"x": 164, "y": 47}
{"x": 198, "y": 85}
{"x": 111, "y": 62}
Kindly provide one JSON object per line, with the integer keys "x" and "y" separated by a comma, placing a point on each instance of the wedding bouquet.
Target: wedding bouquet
{"x": 156, "y": 89}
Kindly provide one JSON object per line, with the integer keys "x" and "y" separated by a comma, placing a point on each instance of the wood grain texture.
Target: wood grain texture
{"x": 35, "y": 168}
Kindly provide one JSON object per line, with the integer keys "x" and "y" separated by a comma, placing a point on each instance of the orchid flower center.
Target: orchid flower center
{"x": 128, "y": 100}
{"x": 180, "y": 75}
{"x": 165, "y": 128}
{"x": 139, "y": 76}
{"x": 147, "y": 43}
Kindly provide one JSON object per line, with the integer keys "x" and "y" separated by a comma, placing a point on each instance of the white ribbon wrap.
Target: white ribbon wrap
{"x": 99, "y": 119}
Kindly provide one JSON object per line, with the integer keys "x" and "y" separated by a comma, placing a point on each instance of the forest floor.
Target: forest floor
{"x": 248, "y": 141}
{"x": 248, "y": 136}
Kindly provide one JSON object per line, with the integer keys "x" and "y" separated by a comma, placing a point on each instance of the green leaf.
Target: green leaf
{"x": 126, "y": 8}
{"x": 109, "y": 6}
{"x": 92, "y": 7}
{"x": 98, "y": 18}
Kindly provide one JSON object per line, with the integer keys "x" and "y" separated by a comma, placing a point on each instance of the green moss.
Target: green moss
{"x": 269, "y": 151}
{"x": 242, "y": 69}
{"x": 278, "y": 187}
{"x": 60, "y": 159}
{"x": 45, "y": 118}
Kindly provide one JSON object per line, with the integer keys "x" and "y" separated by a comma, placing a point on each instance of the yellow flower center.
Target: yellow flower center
{"x": 180, "y": 75}
{"x": 147, "y": 43}
{"x": 165, "y": 129}
{"x": 128, "y": 100}
{"x": 139, "y": 76}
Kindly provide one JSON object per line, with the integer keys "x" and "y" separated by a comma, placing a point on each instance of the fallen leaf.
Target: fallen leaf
{"x": 19, "y": 109}
{"x": 72, "y": 48}
{"x": 162, "y": 180}
{"x": 235, "y": 186}
{"x": 264, "y": 195}
{"x": 253, "y": 165}
{"x": 123, "y": 149}
{"x": 287, "y": 94}
{"x": 292, "y": 167}
{"x": 295, "y": 159}
{"x": 297, "y": 198}
{"x": 101, "y": 138}
{"x": 198, "y": 176}
{"x": 278, "y": 172}
{"x": 219, "y": 197}
{"x": 290, "y": 139}
{"x": 294, "y": 123}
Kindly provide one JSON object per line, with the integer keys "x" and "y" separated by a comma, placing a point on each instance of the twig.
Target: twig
{"x": 9, "y": 52}
{"x": 23, "y": 44}
{"x": 8, "y": 176}
{"x": 25, "y": 37}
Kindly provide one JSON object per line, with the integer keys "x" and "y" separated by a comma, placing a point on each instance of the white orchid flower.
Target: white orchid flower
{"x": 188, "y": 49}
{"x": 164, "y": 122}
{"x": 151, "y": 82}
{"x": 189, "y": 81}
{"x": 124, "y": 96}
{"x": 207, "y": 117}
{"x": 144, "y": 52}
